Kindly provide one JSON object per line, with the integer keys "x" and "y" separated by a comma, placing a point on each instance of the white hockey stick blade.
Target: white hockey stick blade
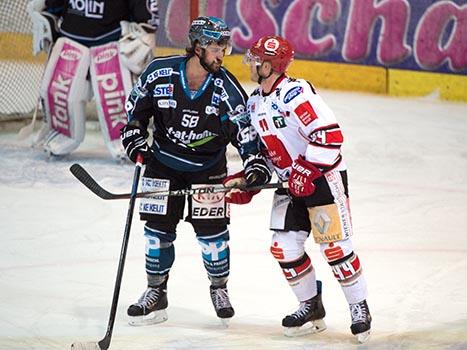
{"x": 85, "y": 346}
{"x": 27, "y": 130}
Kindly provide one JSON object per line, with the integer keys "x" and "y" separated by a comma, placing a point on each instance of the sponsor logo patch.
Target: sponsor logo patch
{"x": 292, "y": 93}
{"x": 167, "y": 103}
{"x": 163, "y": 90}
{"x": 305, "y": 113}
{"x": 163, "y": 72}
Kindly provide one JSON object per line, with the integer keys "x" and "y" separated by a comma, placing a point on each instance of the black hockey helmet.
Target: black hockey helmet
{"x": 207, "y": 30}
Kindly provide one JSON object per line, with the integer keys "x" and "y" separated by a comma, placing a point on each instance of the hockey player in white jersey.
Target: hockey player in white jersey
{"x": 303, "y": 141}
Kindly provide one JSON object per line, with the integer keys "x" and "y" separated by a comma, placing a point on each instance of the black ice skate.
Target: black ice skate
{"x": 361, "y": 321}
{"x": 309, "y": 318}
{"x": 150, "y": 308}
{"x": 220, "y": 300}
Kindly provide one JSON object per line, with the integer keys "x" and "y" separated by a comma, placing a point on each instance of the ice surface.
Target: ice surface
{"x": 407, "y": 162}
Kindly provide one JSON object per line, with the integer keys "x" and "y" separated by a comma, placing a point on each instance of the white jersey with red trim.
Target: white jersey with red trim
{"x": 294, "y": 120}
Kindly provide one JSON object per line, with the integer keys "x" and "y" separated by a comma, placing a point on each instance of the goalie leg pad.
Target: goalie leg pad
{"x": 346, "y": 268}
{"x": 64, "y": 91}
{"x": 288, "y": 249}
{"x": 216, "y": 254}
{"x": 160, "y": 252}
{"x": 111, "y": 83}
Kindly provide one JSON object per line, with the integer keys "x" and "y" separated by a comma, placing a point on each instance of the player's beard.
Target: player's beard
{"x": 212, "y": 67}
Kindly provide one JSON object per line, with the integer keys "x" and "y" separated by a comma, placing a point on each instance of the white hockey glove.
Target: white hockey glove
{"x": 44, "y": 27}
{"x": 136, "y": 45}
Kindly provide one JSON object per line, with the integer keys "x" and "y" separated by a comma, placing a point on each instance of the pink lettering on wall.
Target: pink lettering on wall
{"x": 392, "y": 47}
{"x": 258, "y": 21}
{"x": 177, "y": 21}
{"x": 297, "y": 25}
{"x": 215, "y": 8}
{"x": 430, "y": 52}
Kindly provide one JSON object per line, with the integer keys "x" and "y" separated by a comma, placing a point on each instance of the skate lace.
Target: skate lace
{"x": 358, "y": 312}
{"x": 220, "y": 298}
{"x": 149, "y": 297}
{"x": 303, "y": 310}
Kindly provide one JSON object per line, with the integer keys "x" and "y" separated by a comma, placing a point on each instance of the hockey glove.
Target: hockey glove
{"x": 302, "y": 176}
{"x": 134, "y": 142}
{"x": 257, "y": 172}
{"x": 236, "y": 195}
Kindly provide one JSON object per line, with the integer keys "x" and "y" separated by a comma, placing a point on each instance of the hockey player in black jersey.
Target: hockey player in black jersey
{"x": 197, "y": 108}
{"x": 94, "y": 48}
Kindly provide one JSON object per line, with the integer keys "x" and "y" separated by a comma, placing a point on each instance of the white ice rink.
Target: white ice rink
{"x": 407, "y": 162}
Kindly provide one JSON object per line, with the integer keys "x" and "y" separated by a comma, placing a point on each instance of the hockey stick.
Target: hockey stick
{"x": 104, "y": 343}
{"x": 86, "y": 179}
{"x": 27, "y": 130}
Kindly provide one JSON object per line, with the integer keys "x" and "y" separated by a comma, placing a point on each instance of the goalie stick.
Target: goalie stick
{"x": 104, "y": 343}
{"x": 87, "y": 180}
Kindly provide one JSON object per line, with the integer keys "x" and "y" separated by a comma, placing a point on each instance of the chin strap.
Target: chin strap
{"x": 260, "y": 77}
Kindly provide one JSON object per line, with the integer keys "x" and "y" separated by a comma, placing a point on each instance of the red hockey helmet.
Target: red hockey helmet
{"x": 274, "y": 49}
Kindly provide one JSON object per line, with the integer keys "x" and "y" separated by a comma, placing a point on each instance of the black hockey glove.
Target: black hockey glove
{"x": 257, "y": 172}
{"x": 134, "y": 142}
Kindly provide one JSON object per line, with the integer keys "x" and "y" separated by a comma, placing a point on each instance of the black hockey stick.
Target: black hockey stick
{"x": 86, "y": 179}
{"x": 104, "y": 343}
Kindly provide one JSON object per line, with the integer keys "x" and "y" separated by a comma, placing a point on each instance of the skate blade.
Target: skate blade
{"x": 85, "y": 346}
{"x": 363, "y": 337}
{"x": 311, "y": 327}
{"x": 154, "y": 317}
{"x": 225, "y": 322}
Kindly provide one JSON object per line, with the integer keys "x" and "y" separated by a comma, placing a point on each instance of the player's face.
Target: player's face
{"x": 253, "y": 71}
{"x": 213, "y": 56}
{"x": 254, "y": 64}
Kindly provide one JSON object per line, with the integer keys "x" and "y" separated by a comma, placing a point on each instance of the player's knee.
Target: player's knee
{"x": 160, "y": 252}
{"x": 216, "y": 254}
{"x": 288, "y": 245}
{"x": 344, "y": 262}
{"x": 288, "y": 249}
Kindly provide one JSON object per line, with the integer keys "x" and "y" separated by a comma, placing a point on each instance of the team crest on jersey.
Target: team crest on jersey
{"x": 279, "y": 122}
{"x": 292, "y": 93}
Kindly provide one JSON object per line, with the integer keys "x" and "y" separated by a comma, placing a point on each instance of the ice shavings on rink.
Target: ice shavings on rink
{"x": 407, "y": 162}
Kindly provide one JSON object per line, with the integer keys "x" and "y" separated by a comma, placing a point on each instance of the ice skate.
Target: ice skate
{"x": 150, "y": 308}
{"x": 309, "y": 318}
{"x": 361, "y": 321}
{"x": 220, "y": 300}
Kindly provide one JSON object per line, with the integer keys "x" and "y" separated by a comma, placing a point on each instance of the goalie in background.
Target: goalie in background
{"x": 94, "y": 49}
{"x": 303, "y": 141}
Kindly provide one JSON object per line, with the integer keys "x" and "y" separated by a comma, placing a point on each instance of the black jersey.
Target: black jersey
{"x": 95, "y": 22}
{"x": 191, "y": 129}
